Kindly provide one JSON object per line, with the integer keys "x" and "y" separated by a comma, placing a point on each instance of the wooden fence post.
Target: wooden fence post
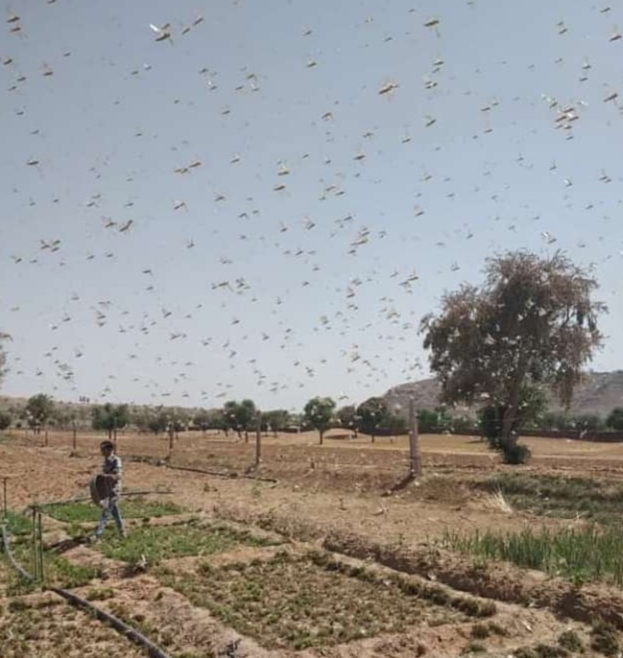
{"x": 258, "y": 440}
{"x": 171, "y": 432}
{"x": 415, "y": 459}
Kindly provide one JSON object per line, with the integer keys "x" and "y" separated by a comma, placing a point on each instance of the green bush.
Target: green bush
{"x": 614, "y": 421}
{"x": 515, "y": 453}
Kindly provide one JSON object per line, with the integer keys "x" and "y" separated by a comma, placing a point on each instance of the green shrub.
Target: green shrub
{"x": 515, "y": 453}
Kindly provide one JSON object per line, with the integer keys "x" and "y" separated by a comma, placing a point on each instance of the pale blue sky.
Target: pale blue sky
{"x": 121, "y": 112}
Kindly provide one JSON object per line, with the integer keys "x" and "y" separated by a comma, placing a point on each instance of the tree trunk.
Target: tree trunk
{"x": 373, "y": 438}
{"x": 510, "y": 416}
{"x": 246, "y": 436}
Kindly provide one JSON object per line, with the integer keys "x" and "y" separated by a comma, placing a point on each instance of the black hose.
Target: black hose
{"x": 229, "y": 475}
{"x": 232, "y": 476}
{"x": 132, "y": 634}
{"x": 120, "y": 626}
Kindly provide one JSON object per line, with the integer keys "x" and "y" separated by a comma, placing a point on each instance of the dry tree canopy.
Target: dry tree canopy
{"x": 533, "y": 321}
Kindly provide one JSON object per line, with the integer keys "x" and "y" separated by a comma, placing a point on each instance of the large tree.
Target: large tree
{"x": 347, "y": 416}
{"x": 158, "y": 421}
{"x": 110, "y": 418}
{"x": 533, "y": 321}
{"x": 39, "y": 409}
{"x": 240, "y": 416}
{"x": 276, "y": 420}
{"x": 371, "y": 416}
{"x": 202, "y": 420}
{"x": 319, "y": 414}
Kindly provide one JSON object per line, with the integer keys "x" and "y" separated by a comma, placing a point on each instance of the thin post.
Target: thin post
{"x": 40, "y": 533}
{"x": 171, "y": 434}
{"x": 73, "y": 439}
{"x": 415, "y": 459}
{"x": 35, "y": 557}
{"x": 258, "y": 440}
{"x": 46, "y": 436}
{"x": 4, "y": 496}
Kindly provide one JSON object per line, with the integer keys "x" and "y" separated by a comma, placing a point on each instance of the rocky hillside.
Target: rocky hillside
{"x": 598, "y": 394}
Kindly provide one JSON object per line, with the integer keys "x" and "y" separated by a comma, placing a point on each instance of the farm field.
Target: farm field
{"x": 317, "y": 552}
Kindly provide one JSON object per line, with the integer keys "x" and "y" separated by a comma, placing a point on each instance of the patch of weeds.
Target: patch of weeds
{"x": 134, "y": 508}
{"x": 541, "y": 651}
{"x": 100, "y": 594}
{"x": 571, "y": 641}
{"x": 549, "y": 651}
{"x": 413, "y": 587}
{"x": 295, "y": 603}
{"x": 62, "y": 572}
{"x": 19, "y": 587}
{"x": 18, "y": 605}
{"x": 563, "y": 497}
{"x": 577, "y": 553}
{"x": 152, "y": 544}
{"x": 496, "y": 629}
{"x": 56, "y": 630}
{"x": 58, "y": 570}
{"x": 18, "y": 524}
{"x": 480, "y": 631}
{"x": 605, "y": 639}
{"x": 475, "y": 647}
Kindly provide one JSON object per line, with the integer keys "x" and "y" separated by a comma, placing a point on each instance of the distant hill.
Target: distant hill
{"x": 598, "y": 394}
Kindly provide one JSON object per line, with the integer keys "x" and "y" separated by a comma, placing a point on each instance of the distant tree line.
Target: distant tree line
{"x": 373, "y": 417}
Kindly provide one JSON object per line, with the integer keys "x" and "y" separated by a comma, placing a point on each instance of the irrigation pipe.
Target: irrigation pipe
{"x": 153, "y": 650}
{"x": 230, "y": 476}
{"x": 132, "y": 634}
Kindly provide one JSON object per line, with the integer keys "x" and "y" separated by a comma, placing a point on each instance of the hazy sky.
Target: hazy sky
{"x": 469, "y": 153}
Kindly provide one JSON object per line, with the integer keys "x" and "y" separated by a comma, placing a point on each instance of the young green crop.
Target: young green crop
{"x": 130, "y": 509}
{"x": 150, "y": 545}
{"x": 580, "y": 554}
